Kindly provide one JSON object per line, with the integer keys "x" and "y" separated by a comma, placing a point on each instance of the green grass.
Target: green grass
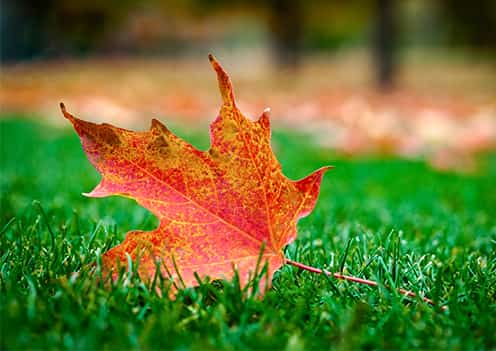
{"x": 406, "y": 226}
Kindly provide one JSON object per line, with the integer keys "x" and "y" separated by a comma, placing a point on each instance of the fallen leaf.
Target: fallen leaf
{"x": 218, "y": 209}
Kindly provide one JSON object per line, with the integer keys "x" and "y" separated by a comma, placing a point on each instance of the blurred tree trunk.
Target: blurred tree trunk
{"x": 286, "y": 26}
{"x": 472, "y": 24}
{"x": 384, "y": 44}
{"x": 22, "y": 29}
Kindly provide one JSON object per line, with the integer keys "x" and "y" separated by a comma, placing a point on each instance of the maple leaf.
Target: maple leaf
{"x": 218, "y": 209}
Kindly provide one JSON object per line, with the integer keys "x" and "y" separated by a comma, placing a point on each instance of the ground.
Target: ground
{"x": 396, "y": 221}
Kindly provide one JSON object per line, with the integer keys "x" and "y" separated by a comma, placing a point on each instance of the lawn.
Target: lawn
{"x": 395, "y": 221}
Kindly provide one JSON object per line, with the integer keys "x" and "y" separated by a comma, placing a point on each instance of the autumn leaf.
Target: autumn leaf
{"x": 218, "y": 209}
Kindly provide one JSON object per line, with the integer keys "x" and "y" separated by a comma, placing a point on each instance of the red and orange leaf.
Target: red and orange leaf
{"x": 217, "y": 208}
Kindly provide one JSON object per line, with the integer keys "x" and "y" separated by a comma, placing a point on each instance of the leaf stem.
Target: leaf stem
{"x": 356, "y": 280}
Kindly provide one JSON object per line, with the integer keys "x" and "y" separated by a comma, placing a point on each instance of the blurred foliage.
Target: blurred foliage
{"x": 55, "y": 28}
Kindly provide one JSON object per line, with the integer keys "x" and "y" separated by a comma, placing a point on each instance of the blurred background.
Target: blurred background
{"x": 415, "y": 78}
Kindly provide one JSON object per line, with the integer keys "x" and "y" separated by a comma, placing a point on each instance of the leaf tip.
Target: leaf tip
{"x": 225, "y": 85}
{"x": 323, "y": 170}
{"x": 264, "y": 120}
{"x": 215, "y": 64}
{"x": 65, "y": 113}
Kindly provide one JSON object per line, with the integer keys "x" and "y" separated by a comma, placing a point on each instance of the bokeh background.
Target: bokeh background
{"x": 414, "y": 78}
